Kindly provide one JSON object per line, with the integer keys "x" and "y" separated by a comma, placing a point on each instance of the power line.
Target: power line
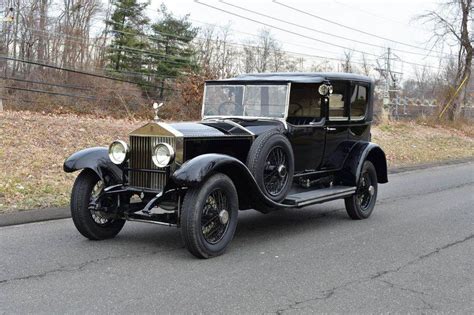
{"x": 319, "y": 31}
{"x": 302, "y": 54}
{"x": 281, "y": 29}
{"x": 67, "y": 86}
{"x": 214, "y": 40}
{"x": 176, "y": 60}
{"x": 298, "y": 34}
{"x": 196, "y": 38}
{"x": 383, "y": 18}
{"x": 50, "y": 93}
{"x": 46, "y": 83}
{"x": 75, "y": 71}
{"x": 352, "y": 28}
{"x": 260, "y": 36}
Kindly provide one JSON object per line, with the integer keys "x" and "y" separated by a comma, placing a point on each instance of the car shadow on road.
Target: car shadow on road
{"x": 253, "y": 228}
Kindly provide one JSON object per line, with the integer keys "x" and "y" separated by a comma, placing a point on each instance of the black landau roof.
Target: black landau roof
{"x": 295, "y": 77}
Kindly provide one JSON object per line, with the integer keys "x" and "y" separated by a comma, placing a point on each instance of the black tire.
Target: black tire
{"x": 199, "y": 204}
{"x": 258, "y": 165}
{"x": 358, "y": 207}
{"x": 83, "y": 217}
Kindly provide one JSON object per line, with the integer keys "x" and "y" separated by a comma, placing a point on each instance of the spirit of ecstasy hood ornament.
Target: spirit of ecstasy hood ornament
{"x": 156, "y": 107}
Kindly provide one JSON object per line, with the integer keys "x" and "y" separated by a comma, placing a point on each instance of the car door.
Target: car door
{"x": 306, "y": 125}
{"x": 307, "y": 142}
{"x": 337, "y": 126}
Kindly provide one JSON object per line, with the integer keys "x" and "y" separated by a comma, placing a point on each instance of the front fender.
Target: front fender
{"x": 96, "y": 159}
{"x": 198, "y": 169}
{"x": 359, "y": 153}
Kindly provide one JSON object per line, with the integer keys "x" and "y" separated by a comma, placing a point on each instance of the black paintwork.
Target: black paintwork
{"x": 197, "y": 170}
{"x": 294, "y": 77}
{"x": 322, "y": 149}
{"x": 96, "y": 159}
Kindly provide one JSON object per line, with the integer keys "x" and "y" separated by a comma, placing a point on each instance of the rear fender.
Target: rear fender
{"x": 198, "y": 169}
{"x": 360, "y": 152}
{"x": 96, "y": 159}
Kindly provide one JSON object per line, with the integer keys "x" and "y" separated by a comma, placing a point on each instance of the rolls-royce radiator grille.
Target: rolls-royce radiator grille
{"x": 141, "y": 164}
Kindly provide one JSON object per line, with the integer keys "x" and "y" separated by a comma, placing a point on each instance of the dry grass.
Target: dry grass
{"x": 408, "y": 143}
{"x": 33, "y": 147}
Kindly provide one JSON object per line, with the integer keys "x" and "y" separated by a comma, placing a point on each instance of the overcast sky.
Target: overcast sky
{"x": 388, "y": 19}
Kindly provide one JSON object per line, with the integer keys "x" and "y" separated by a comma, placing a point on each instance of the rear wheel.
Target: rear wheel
{"x": 86, "y": 212}
{"x": 209, "y": 216}
{"x": 361, "y": 204}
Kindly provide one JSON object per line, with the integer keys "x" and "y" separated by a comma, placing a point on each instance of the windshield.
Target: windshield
{"x": 245, "y": 100}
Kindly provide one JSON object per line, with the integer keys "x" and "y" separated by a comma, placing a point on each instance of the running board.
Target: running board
{"x": 318, "y": 196}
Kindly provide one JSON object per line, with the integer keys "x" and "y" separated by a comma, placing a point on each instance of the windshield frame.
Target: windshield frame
{"x": 244, "y": 84}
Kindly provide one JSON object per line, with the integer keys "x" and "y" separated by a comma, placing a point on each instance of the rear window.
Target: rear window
{"x": 358, "y": 102}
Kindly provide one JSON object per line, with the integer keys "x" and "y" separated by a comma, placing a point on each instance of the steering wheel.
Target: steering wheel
{"x": 299, "y": 108}
{"x": 223, "y": 108}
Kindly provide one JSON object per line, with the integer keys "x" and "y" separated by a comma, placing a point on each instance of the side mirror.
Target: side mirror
{"x": 325, "y": 89}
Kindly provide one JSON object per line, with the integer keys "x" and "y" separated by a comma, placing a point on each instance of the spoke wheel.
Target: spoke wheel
{"x": 271, "y": 162}
{"x": 209, "y": 216}
{"x": 94, "y": 205}
{"x": 361, "y": 205}
{"x": 365, "y": 191}
{"x": 215, "y": 217}
{"x": 86, "y": 205}
{"x": 275, "y": 174}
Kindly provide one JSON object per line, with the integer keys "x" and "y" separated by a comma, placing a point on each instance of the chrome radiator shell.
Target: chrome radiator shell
{"x": 143, "y": 173}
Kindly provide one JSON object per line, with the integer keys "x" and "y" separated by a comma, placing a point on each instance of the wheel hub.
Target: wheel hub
{"x": 224, "y": 216}
{"x": 371, "y": 190}
{"x": 282, "y": 171}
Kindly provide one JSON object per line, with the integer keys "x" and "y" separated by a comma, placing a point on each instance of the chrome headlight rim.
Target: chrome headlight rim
{"x": 126, "y": 151}
{"x": 169, "y": 158}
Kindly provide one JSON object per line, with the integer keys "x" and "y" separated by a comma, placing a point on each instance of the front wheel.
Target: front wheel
{"x": 209, "y": 216}
{"x": 85, "y": 208}
{"x": 361, "y": 205}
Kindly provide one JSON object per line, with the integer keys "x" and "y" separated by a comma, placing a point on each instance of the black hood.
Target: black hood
{"x": 222, "y": 128}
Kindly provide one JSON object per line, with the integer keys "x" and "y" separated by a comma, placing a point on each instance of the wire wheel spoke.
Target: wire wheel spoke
{"x": 94, "y": 205}
{"x": 213, "y": 226}
{"x": 275, "y": 175}
{"x": 364, "y": 196}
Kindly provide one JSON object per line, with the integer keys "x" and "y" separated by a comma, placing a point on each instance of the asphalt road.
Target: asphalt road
{"x": 415, "y": 254}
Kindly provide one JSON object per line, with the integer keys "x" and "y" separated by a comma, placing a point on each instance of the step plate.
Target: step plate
{"x": 318, "y": 196}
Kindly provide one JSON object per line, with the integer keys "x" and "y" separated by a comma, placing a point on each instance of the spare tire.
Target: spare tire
{"x": 271, "y": 161}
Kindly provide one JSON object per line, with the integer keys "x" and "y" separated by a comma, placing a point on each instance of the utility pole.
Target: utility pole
{"x": 391, "y": 78}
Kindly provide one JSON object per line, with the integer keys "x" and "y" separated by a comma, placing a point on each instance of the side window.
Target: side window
{"x": 358, "y": 102}
{"x": 305, "y": 104}
{"x": 337, "y": 111}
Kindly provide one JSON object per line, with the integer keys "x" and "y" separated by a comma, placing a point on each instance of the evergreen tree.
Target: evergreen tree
{"x": 126, "y": 24}
{"x": 172, "y": 52}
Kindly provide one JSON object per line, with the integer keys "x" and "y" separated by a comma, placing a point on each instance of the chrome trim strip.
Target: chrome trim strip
{"x": 150, "y": 221}
{"x": 233, "y": 123}
{"x": 342, "y": 194}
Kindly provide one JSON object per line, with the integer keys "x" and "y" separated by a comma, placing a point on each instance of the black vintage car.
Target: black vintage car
{"x": 265, "y": 142}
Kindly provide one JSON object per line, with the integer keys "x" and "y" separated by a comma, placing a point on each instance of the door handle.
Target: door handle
{"x": 331, "y": 129}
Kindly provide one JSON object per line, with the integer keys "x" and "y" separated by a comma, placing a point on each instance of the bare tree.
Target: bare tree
{"x": 365, "y": 65}
{"x": 346, "y": 63}
{"x": 323, "y": 66}
{"x": 451, "y": 26}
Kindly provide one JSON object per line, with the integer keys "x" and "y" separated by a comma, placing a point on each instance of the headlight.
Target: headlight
{"x": 118, "y": 151}
{"x": 163, "y": 154}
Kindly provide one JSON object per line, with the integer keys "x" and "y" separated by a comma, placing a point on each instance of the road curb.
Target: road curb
{"x": 416, "y": 167}
{"x": 31, "y": 216}
{"x": 35, "y": 215}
